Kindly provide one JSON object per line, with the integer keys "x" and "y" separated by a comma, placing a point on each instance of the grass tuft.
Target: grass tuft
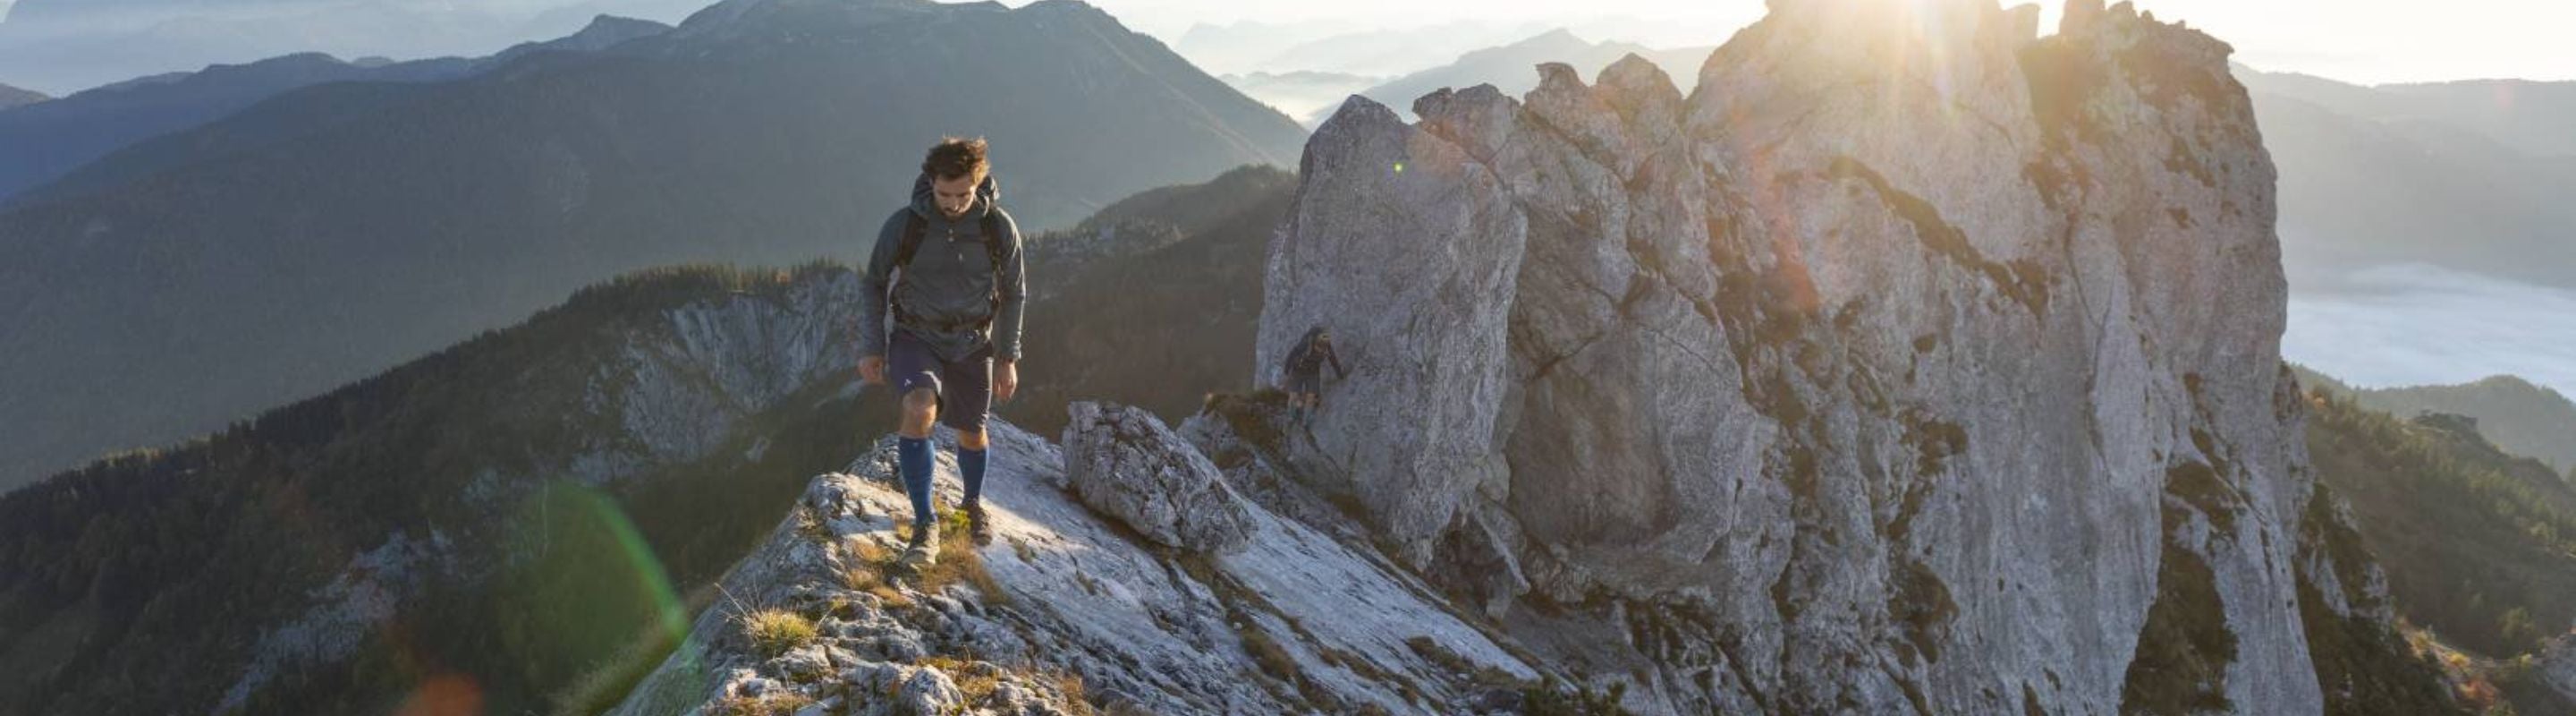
{"x": 781, "y": 704}
{"x": 776, "y": 631}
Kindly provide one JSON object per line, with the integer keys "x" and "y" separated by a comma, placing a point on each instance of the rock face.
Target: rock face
{"x": 1126, "y": 464}
{"x": 2557, "y": 669}
{"x": 1910, "y": 363}
{"x": 1294, "y": 622}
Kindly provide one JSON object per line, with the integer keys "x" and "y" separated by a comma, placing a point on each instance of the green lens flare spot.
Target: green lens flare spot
{"x": 588, "y": 579}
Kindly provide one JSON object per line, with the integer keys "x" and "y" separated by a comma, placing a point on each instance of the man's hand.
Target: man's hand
{"x": 872, "y": 370}
{"x": 1006, "y": 379}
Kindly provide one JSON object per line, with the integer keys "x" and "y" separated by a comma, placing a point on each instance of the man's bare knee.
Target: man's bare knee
{"x": 920, "y": 409}
{"x": 972, "y": 440}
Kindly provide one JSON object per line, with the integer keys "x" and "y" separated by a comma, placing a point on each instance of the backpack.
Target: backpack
{"x": 914, "y": 227}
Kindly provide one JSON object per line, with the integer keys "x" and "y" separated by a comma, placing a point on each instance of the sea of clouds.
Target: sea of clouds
{"x": 2415, "y": 324}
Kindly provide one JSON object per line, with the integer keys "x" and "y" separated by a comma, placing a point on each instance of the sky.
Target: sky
{"x": 2362, "y": 41}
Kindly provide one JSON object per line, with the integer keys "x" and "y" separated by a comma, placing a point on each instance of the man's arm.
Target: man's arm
{"x": 872, "y": 288}
{"x": 1012, "y": 284}
{"x": 1335, "y": 356}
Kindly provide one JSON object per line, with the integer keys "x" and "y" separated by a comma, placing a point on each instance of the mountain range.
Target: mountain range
{"x": 337, "y": 229}
{"x": 13, "y": 97}
{"x": 2467, "y": 175}
{"x": 1340, "y": 48}
{"x": 39, "y": 144}
{"x": 2513, "y": 414}
{"x": 65, "y": 46}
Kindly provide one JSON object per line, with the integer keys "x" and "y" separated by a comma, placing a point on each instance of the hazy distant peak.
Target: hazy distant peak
{"x": 295, "y": 58}
{"x": 13, "y": 97}
{"x": 1554, "y": 35}
{"x": 288, "y": 63}
{"x": 603, "y": 32}
{"x": 731, "y": 16}
{"x": 2497, "y": 381}
{"x": 612, "y": 24}
{"x": 1556, "y": 40}
{"x": 1312, "y": 75}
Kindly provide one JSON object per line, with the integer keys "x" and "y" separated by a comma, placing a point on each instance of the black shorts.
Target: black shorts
{"x": 965, "y": 388}
{"x": 1304, "y": 383}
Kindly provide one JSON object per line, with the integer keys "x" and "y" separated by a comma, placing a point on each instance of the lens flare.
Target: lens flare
{"x": 644, "y": 574}
{"x": 444, "y": 695}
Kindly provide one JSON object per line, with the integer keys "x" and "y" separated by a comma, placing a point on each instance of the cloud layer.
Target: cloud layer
{"x": 2415, "y": 325}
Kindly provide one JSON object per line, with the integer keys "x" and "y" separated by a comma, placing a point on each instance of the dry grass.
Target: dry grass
{"x": 869, "y": 572}
{"x": 893, "y": 598}
{"x": 775, "y": 631}
{"x": 811, "y": 526}
{"x": 1075, "y": 699}
{"x": 958, "y": 562}
{"x": 868, "y": 568}
{"x": 975, "y": 686}
{"x": 862, "y": 579}
{"x": 771, "y": 705}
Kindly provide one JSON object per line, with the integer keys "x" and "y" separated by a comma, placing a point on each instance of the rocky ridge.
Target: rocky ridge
{"x": 1912, "y": 362}
{"x": 1068, "y": 609}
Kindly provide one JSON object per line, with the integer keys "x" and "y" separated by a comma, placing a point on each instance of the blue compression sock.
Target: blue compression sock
{"x": 913, "y": 456}
{"x": 970, "y": 463}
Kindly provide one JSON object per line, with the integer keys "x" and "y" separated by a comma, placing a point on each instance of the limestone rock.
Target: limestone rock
{"x": 1125, "y": 463}
{"x": 1294, "y": 621}
{"x": 1911, "y": 362}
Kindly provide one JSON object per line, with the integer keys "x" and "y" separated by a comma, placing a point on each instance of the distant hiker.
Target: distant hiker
{"x": 1303, "y": 372}
{"x": 948, "y": 270}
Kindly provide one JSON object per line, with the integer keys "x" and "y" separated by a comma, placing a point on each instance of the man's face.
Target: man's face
{"x": 954, "y": 195}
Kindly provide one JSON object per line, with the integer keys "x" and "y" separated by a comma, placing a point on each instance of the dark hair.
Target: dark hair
{"x": 955, "y": 157}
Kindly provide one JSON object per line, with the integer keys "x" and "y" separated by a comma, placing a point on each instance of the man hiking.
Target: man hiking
{"x": 1304, "y": 371}
{"x": 947, "y": 270}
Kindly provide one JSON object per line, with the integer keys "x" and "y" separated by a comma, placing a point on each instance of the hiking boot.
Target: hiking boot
{"x": 923, "y": 550}
{"x": 978, "y": 528}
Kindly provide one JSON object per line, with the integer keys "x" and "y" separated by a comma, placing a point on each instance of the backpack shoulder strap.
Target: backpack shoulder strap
{"x": 913, "y": 227}
{"x": 993, "y": 239}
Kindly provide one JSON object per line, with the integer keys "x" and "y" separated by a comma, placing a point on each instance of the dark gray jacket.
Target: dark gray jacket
{"x": 951, "y": 279}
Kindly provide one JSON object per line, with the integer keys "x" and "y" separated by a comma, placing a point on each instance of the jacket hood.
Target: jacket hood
{"x": 987, "y": 196}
